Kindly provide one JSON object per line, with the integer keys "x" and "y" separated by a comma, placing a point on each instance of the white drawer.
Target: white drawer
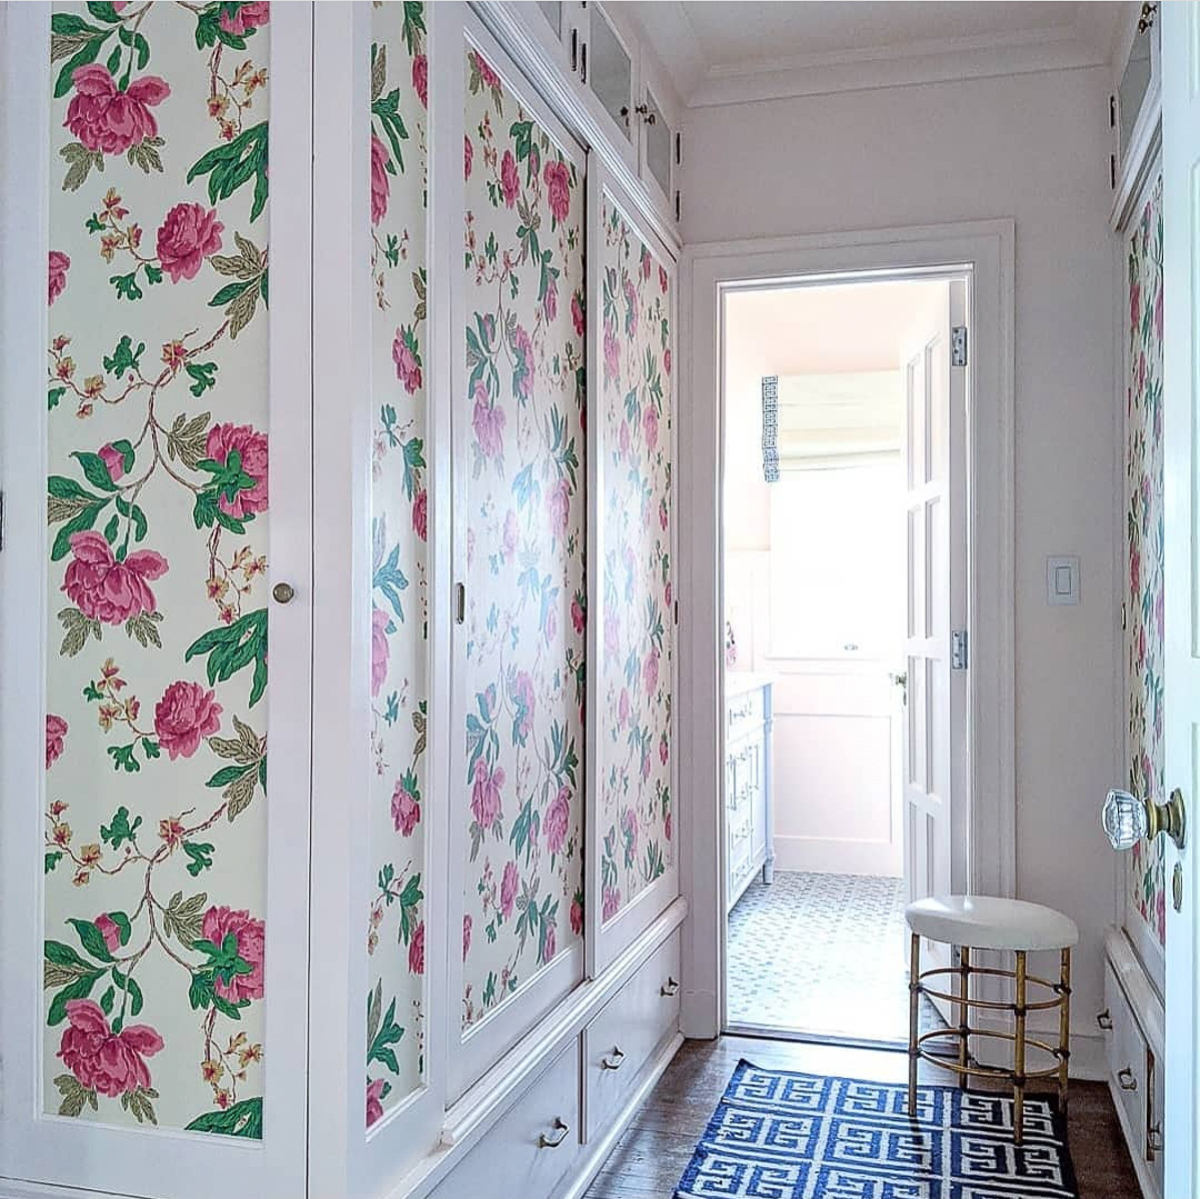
{"x": 1127, "y": 1062}
{"x": 516, "y": 1157}
{"x": 743, "y": 712}
{"x": 622, "y": 1037}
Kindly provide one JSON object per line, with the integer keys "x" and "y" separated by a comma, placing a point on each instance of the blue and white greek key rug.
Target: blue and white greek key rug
{"x": 780, "y": 1135}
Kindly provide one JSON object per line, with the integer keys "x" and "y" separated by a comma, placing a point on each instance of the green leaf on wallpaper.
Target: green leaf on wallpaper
{"x": 390, "y": 580}
{"x": 243, "y": 1119}
{"x": 137, "y": 1103}
{"x": 410, "y": 899}
{"x": 144, "y": 627}
{"x": 128, "y": 986}
{"x": 378, "y": 70}
{"x": 124, "y": 357}
{"x": 230, "y": 648}
{"x": 232, "y": 164}
{"x": 52, "y": 859}
{"x": 74, "y": 1095}
{"x": 72, "y": 38}
{"x": 130, "y": 511}
{"x": 92, "y": 939}
{"x": 414, "y": 25}
{"x": 95, "y": 470}
{"x": 186, "y": 439}
{"x": 106, "y": 1001}
{"x": 414, "y": 463}
{"x": 81, "y": 988}
{"x": 79, "y": 160}
{"x": 391, "y": 250}
{"x": 104, "y": 12}
{"x": 124, "y": 758}
{"x": 112, "y": 529}
{"x": 224, "y": 961}
{"x": 119, "y": 830}
{"x": 204, "y": 374}
{"x": 388, "y": 1033}
{"x": 387, "y": 110}
{"x": 145, "y": 155}
{"x": 183, "y": 918}
{"x": 77, "y": 628}
{"x": 53, "y": 396}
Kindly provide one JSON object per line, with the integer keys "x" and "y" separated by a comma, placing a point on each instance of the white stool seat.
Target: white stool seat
{"x": 985, "y": 922}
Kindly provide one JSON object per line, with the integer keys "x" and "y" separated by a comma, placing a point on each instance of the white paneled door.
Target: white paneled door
{"x": 1181, "y": 389}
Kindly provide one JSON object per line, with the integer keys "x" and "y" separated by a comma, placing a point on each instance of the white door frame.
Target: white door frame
{"x": 986, "y": 249}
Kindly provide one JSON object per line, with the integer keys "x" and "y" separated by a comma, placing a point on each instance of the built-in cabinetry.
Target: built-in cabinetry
{"x": 435, "y": 949}
{"x": 749, "y": 843}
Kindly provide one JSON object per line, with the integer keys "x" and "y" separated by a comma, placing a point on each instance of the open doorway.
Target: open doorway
{"x": 845, "y": 556}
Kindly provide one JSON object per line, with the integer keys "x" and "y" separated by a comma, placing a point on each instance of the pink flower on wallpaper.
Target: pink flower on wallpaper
{"x": 612, "y": 352}
{"x": 186, "y": 713}
{"x": 510, "y": 183}
{"x": 650, "y": 672}
{"x": 374, "y": 1101}
{"x": 490, "y": 79}
{"x": 577, "y": 915}
{"x": 524, "y": 700}
{"x": 420, "y": 514}
{"x": 420, "y": 78}
{"x": 667, "y": 826}
{"x": 221, "y": 922}
{"x": 662, "y": 279}
{"x": 645, "y": 263}
{"x": 549, "y": 944}
{"x": 188, "y": 235}
{"x": 612, "y": 902}
{"x": 612, "y": 629}
{"x": 523, "y": 367}
{"x": 667, "y": 360}
{"x": 381, "y": 187}
{"x": 630, "y": 827}
{"x": 578, "y": 616}
{"x": 468, "y": 156}
{"x": 623, "y": 440}
{"x": 664, "y": 514}
{"x": 632, "y": 311}
{"x": 110, "y": 1063}
{"x": 645, "y": 764}
{"x": 114, "y": 460}
{"x": 508, "y": 889}
{"x": 550, "y": 299}
{"x": 1135, "y": 574}
{"x": 510, "y": 535}
{"x": 1135, "y": 305}
{"x": 106, "y": 926}
{"x": 416, "y": 950}
{"x": 578, "y": 318}
{"x": 380, "y": 650}
{"x": 650, "y": 427}
{"x": 252, "y": 449}
{"x": 406, "y": 811}
{"x": 485, "y": 794}
{"x": 667, "y": 593}
{"x": 558, "y": 820}
{"x": 558, "y": 188}
{"x": 623, "y": 708}
{"x": 56, "y": 731}
{"x": 467, "y": 926}
{"x": 550, "y": 626}
{"x": 108, "y": 120}
{"x": 558, "y": 503}
{"x": 408, "y": 369}
{"x": 244, "y": 18}
{"x": 664, "y": 750}
{"x": 106, "y": 590}
{"x": 59, "y": 265}
{"x": 488, "y": 422}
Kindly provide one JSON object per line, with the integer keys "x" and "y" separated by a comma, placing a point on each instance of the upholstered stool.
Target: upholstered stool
{"x": 1009, "y": 925}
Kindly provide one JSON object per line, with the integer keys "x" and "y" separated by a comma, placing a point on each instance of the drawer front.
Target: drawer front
{"x": 743, "y": 712}
{"x": 516, "y": 1156}
{"x": 621, "y": 1039}
{"x": 1127, "y": 1060}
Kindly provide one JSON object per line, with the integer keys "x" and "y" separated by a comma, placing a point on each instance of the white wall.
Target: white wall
{"x": 1034, "y": 148}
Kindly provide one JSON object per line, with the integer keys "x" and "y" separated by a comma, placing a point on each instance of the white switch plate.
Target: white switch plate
{"x": 1062, "y": 579}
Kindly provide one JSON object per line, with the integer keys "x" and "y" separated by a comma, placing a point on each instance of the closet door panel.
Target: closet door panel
{"x": 521, "y": 463}
{"x": 158, "y": 1039}
{"x": 632, "y": 768}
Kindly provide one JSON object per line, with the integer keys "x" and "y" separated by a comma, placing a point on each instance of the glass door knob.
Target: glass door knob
{"x": 1128, "y": 820}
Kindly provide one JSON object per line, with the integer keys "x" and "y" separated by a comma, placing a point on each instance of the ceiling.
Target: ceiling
{"x": 724, "y": 51}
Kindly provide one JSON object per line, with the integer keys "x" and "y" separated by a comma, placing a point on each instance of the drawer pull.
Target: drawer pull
{"x": 614, "y": 1060}
{"x": 556, "y": 1138}
{"x": 1104, "y": 1019}
{"x": 1126, "y": 1079}
{"x": 1154, "y": 1140}
{"x": 670, "y": 990}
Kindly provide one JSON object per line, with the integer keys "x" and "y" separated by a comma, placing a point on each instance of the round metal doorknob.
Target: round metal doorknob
{"x": 1127, "y": 819}
{"x": 284, "y": 593}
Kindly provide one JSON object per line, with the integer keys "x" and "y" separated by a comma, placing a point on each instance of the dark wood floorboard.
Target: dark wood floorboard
{"x": 656, "y": 1148}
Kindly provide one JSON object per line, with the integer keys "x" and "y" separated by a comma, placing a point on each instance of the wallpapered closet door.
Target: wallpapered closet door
{"x": 1144, "y": 601}
{"x": 395, "y": 933}
{"x": 520, "y": 460}
{"x": 633, "y": 860}
{"x": 173, "y": 955}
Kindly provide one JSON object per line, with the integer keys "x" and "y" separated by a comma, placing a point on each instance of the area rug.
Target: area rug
{"x": 782, "y": 1135}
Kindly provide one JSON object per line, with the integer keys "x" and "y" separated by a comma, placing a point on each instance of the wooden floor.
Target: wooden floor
{"x": 652, "y": 1155}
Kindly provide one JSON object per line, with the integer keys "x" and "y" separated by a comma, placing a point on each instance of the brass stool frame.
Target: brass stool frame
{"x": 967, "y": 1067}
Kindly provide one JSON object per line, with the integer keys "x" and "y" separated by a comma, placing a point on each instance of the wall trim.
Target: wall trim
{"x": 987, "y": 247}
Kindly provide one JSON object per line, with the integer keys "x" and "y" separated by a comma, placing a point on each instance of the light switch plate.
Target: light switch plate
{"x": 1062, "y": 579}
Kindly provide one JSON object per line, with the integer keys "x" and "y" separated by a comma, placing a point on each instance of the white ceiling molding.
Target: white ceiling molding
{"x": 1089, "y": 38}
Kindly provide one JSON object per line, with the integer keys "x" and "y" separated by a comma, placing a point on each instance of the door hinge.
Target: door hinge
{"x": 1112, "y": 171}
{"x": 678, "y": 149}
{"x": 1124, "y": 618}
{"x": 958, "y": 345}
{"x": 1112, "y": 112}
{"x": 676, "y": 611}
{"x": 677, "y": 204}
{"x": 460, "y": 603}
{"x": 959, "y": 656}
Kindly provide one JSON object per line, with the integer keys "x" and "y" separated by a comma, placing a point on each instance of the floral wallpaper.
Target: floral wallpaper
{"x": 635, "y": 739}
{"x": 399, "y": 526}
{"x": 156, "y": 680}
{"x": 526, "y": 512}
{"x": 1144, "y": 521}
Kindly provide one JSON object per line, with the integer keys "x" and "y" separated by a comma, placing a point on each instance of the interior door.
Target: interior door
{"x": 1181, "y": 477}
{"x": 926, "y": 752}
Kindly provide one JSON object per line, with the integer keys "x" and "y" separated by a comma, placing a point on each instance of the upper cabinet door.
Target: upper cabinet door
{"x": 607, "y": 68}
{"x": 657, "y": 148}
{"x": 154, "y": 932}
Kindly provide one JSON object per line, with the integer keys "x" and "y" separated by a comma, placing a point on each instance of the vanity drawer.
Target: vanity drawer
{"x": 1127, "y": 1061}
{"x": 622, "y": 1037}
{"x": 528, "y": 1152}
{"x": 743, "y": 712}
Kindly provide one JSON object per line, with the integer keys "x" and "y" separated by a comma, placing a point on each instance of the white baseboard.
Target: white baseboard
{"x": 828, "y": 855}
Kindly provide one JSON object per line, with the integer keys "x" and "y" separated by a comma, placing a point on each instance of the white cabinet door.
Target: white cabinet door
{"x": 154, "y": 931}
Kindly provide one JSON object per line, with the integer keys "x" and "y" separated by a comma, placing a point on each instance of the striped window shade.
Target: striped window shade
{"x": 822, "y": 422}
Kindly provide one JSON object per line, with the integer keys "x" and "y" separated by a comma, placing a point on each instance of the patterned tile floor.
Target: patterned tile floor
{"x": 823, "y": 954}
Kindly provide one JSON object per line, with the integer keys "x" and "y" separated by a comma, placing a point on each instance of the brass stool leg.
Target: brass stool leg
{"x": 964, "y": 1028}
{"x": 1064, "y": 1029}
{"x": 914, "y": 1023}
{"x": 1019, "y": 1054}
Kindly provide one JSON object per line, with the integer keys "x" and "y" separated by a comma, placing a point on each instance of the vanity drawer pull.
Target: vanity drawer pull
{"x": 1126, "y": 1079}
{"x": 1104, "y": 1019}
{"x": 557, "y": 1136}
{"x": 670, "y": 990}
{"x": 614, "y": 1060}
